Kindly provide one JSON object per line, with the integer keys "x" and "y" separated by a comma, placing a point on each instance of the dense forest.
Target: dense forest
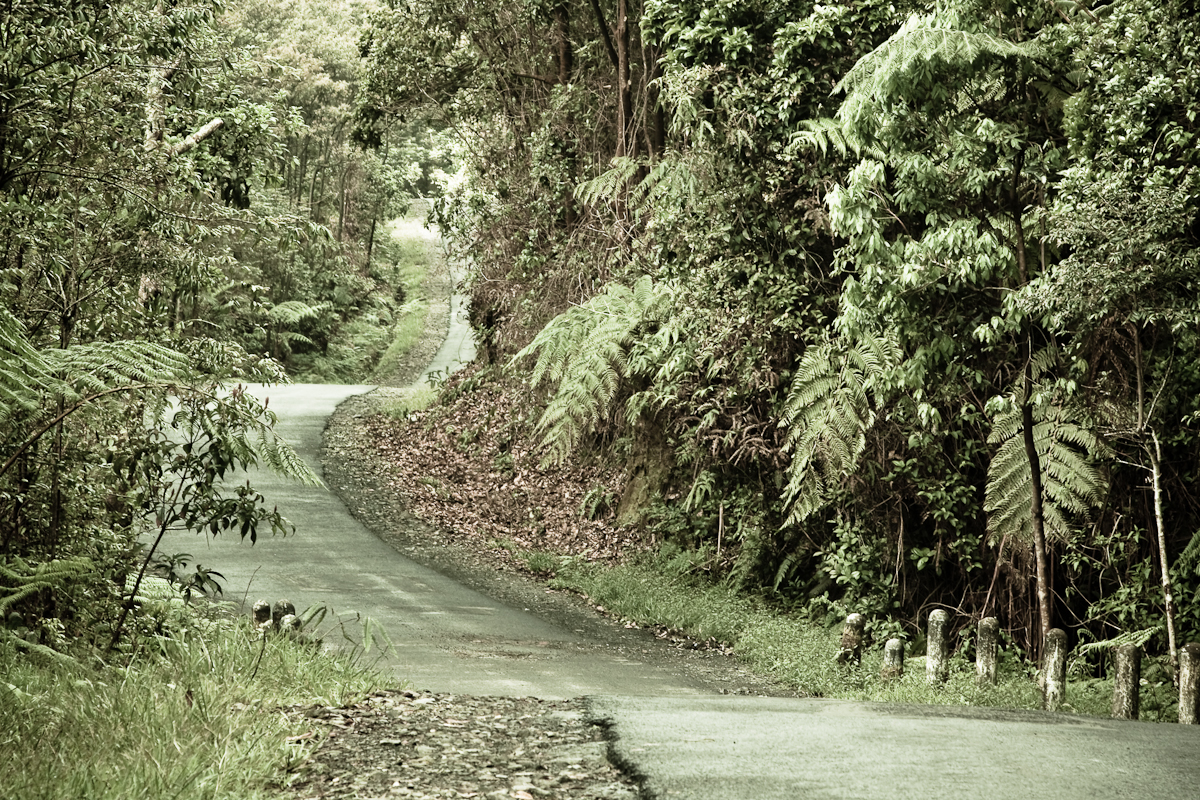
{"x": 183, "y": 209}
{"x": 898, "y": 301}
{"x": 892, "y": 305}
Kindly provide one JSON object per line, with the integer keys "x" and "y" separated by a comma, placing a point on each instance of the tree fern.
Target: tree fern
{"x": 20, "y": 580}
{"x": 1072, "y": 486}
{"x": 675, "y": 179}
{"x": 585, "y": 352}
{"x": 832, "y": 402}
{"x": 39, "y": 388}
{"x": 924, "y": 40}
{"x": 293, "y": 311}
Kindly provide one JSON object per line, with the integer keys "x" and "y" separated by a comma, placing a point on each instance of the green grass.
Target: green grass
{"x": 200, "y": 714}
{"x": 403, "y": 402}
{"x": 406, "y": 248}
{"x": 659, "y": 590}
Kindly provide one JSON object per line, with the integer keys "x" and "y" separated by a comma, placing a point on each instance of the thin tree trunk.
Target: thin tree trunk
{"x": 625, "y": 147}
{"x": 1037, "y": 519}
{"x": 1036, "y": 514}
{"x": 370, "y": 246}
{"x": 605, "y": 35}
{"x": 566, "y": 72}
{"x": 1168, "y": 595}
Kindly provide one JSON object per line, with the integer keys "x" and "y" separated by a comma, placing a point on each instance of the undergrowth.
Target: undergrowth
{"x": 659, "y": 590}
{"x": 408, "y": 251}
{"x": 207, "y": 711}
{"x": 376, "y": 337}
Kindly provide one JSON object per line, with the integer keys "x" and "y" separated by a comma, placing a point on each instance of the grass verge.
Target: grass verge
{"x": 408, "y": 250}
{"x": 207, "y": 712}
{"x": 801, "y": 654}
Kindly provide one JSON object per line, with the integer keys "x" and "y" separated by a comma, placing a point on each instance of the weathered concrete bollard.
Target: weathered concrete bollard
{"x": 1189, "y": 683}
{"x": 937, "y": 651}
{"x": 985, "y": 651}
{"x": 291, "y": 625}
{"x": 262, "y": 614}
{"x": 852, "y": 640}
{"x": 1055, "y": 666}
{"x": 281, "y": 609}
{"x": 893, "y": 660}
{"x": 1127, "y": 677}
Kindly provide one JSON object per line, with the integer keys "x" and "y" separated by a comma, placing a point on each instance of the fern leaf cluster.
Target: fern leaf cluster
{"x": 34, "y": 382}
{"x": 585, "y": 352}
{"x": 19, "y": 579}
{"x": 676, "y": 179}
{"x": 293, "y": 311}
{"x": 833, "y": 402}
{"x": 923, "y": 40}
{"x": 1072, "y": 486}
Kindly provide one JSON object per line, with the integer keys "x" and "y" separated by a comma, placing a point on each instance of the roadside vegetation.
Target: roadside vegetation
{"x": 201, "y": 705}
{"x": 865, "y": 306}
{"x": 891, "y": 305}
{"x": 181, "y": 214}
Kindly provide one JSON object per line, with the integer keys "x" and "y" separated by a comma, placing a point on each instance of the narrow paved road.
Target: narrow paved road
{"x": 448, "y": 637}
{"x": 670, "y": 727}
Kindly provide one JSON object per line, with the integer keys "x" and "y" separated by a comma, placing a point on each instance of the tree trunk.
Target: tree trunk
{"x": 1036, "y": 516}
{"x": 566, "y": 71}
{"x": 1037, "y": 519}
{"x": 625, "y": 145}
{"x": 1168, "y": 595}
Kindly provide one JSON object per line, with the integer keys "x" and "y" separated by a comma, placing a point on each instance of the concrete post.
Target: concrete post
{"x": 291, "y": 625}
{"x": 1055, "y": 664}
{"x": 937, "y": 652}
{"x": 1127, "y": 677}
{"x": 262, "y": 614}
{"x": 852, "y": 640}
{"x": 1189, "y": 682}
{"x": 282, "y": 609}
{"x": 985, "y": 651}
{"x": 893, "y": 660}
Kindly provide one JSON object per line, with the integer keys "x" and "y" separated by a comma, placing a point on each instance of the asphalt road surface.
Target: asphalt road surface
{"x": 668, "y": 726}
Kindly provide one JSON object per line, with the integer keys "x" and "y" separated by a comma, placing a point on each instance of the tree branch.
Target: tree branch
{"x": 196, "y": 138}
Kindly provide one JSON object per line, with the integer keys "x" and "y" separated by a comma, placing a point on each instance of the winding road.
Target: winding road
{"x": 671, "y": 726}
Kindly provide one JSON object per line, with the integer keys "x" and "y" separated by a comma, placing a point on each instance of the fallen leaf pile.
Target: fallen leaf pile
{"x": 471, "y": 467}
{"x": 422, "y": 745}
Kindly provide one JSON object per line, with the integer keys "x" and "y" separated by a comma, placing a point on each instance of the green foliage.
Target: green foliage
{"x": 22, "y": 580}
{"x": 833, "y": 402}
{"x": 988, "y": 182}
{"x": 1072, "y": 484}
{"x": 924, "y": 45}
{"x": 190, "y": 717}
{"x": 586, "y": 353}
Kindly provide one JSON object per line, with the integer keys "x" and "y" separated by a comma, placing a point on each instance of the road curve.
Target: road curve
{"x": 447, "y": 637}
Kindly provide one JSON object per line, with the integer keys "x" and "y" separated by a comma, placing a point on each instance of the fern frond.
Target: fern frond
{"x": 1072, "y": 485}
{"x": 923, "y": 41}
{"x": 832, "y": 403}
{"x": 925, "y": 38}
{"x": 586, "y": 352}
{"x": 609, "y": 184}
{"x": 293, "y": 311}
{"x": 19, "y": 579}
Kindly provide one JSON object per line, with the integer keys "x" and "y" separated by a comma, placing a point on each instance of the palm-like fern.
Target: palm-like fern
{"x": 585, "y": 351}
{"x": 1072, "y": 485}
{"x": 673, "y": 180}
{"x": 39, "y": 388}
{"x": 923, "y": 39}
{"x": 833, "y": 401}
